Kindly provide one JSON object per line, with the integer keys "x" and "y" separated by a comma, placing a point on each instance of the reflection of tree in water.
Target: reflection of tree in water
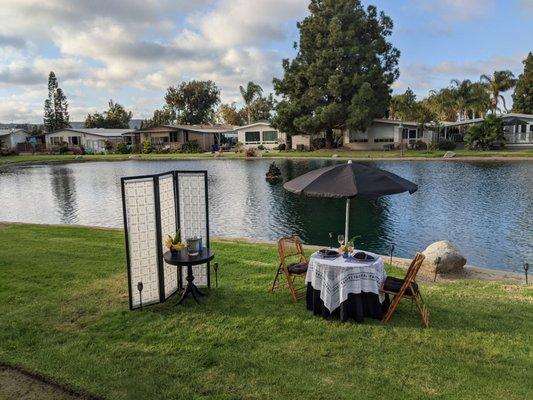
{"x": 64, "y": 191}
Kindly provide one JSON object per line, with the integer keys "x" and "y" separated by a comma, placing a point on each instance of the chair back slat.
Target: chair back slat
{"x": 412, "y": 272}
{"x": 290, "y": 246}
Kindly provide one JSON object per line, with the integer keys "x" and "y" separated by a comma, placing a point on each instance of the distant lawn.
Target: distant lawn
{"x": 341, "y": 153}
{"x": 64, "y": 314}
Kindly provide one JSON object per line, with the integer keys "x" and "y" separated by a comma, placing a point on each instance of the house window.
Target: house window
{"x": 531, "y": 128}
{"x": 384, "y": 140}
{"x": 252, "y": 137}
{"x": 74, "y": 140}
{"x": 523, "y": 128}
{"x": 56, "y": 140}
{"x": 174, "y": 137}
{"x": 270, "y": 136}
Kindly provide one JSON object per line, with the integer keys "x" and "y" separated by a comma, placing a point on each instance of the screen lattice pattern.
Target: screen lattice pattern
{"x": 193, "y": 218}
{"x": 140, "y": 214}
{"x": 168, "y": 227}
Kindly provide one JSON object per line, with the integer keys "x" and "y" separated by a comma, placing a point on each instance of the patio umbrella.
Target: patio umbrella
{"x": 347, "y": 181}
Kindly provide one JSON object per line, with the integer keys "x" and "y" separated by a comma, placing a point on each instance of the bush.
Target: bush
{"x": 282, "y": 147}
{"x": 122, "y": 148}
{"x": 135, "y": 148}
{"x": 63, "y": 149}
{"x": 108, "y": 145}
{"x": 446, "y": 145}
{"x": 420, "y": 145}
{"x": 487, "y": 135}
{"x": 147, "y": 147}
{"x": 78, "y": 151}
{"x": 261, "y": 147}
{"x": 239, "y": 147}
{"x": 251, "y": 152}
{"x": 192, "y": 146}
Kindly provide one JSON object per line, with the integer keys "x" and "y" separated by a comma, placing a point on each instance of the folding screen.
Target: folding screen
{"x": 154, "y": 206}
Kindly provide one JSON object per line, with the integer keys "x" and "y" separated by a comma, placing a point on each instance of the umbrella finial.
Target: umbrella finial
{"x": 349, "y": 161}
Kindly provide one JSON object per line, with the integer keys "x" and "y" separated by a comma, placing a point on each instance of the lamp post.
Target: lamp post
{"x": 526, "y": 268}
{"x": 391, "y": 250}
{"x": 437, "y": 265}
{"x": 140, "y": 289}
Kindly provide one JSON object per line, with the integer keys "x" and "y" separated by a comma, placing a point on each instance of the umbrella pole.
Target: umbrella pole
{"x": 347, "y": 221}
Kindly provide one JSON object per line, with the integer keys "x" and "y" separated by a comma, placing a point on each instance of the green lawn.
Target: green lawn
{"x": 353, "y": 154}
{"x": 64, "y": 314}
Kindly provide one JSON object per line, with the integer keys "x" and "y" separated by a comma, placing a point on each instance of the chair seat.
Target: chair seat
{"x": 394, "y": 285}
{"x": 297, "y": 268}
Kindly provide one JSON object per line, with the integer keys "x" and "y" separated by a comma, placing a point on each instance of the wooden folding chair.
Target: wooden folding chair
{"x": 293, "y": 264}
{"x": 406, "y": 288}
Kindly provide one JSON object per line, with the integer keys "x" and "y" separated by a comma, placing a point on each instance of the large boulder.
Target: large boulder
{"x": 451, "y": 260}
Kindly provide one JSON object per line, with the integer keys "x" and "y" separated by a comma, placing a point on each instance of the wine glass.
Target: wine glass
{"x": 340, "y": 239}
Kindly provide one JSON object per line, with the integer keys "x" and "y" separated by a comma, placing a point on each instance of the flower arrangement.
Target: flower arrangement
{"x": 349, "y": 246}
{"x": 174, "y": 243}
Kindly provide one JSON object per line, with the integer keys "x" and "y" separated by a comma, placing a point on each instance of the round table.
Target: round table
{"x": 346, "y": 286}
{"x": 184, "y": 259}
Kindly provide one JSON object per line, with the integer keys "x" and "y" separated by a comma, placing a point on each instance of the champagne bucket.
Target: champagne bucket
{"x": 193, "y": 245}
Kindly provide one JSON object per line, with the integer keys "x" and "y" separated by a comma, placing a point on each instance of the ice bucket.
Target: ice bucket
{"x": 193, "y": 245}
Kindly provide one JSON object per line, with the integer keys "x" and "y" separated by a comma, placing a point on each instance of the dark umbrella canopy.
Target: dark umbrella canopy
{"x": 349, "y": 180}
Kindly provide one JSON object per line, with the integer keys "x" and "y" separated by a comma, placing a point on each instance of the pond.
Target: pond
{"x": 484, "y": 207}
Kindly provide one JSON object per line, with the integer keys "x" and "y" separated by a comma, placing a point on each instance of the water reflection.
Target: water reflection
{"x": 484, "y": 207}
{"x": 64, "y": 190}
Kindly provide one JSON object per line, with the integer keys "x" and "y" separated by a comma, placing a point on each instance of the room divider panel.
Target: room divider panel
{"x": 155, "y": 206}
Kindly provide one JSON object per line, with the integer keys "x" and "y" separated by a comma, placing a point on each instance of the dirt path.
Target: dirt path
{"x": 19, "y": 385}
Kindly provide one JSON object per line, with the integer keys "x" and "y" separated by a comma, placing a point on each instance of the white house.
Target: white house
{"x": 260, "y": 133}
{"x": 517, "y": 129}
{"x": 11, "y": 137}
{"x": 385, "y": 133}
{"x": 93, "y": 139}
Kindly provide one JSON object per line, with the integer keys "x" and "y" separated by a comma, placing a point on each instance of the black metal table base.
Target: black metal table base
{"x": 191, "y": 288}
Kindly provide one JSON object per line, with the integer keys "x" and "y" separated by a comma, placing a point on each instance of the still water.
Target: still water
{"x": 485, "y": 208}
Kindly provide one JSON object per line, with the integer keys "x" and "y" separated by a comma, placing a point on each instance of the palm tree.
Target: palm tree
{"x": 479, "y": 102}
{"x": 462, "y": 96}
{"x": 499, "y": 82}
{"x": 249, "y": 94}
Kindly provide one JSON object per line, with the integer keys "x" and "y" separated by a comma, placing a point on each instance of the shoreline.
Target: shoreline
{"x": 82, "y": 159}
{"x": 470, "y": 271}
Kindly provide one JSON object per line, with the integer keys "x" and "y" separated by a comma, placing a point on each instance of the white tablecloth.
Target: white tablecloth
{"x": 337, "y": 277}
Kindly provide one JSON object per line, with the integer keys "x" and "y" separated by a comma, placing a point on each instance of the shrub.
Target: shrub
{"x": 282, "y": 147}
{"x": 420, "y": 145}
{"x": 122, "y": 148}
{"x": 63, "y": 149}
{"x": 251, "y": 152}
{"x": 77, "y": 151}
{"x": 487, "y": 135}
{"x": 192, "y": 146}
{"x": 108, "y": 145}
{"x": 135, "y": 148}
{"x": 239, "y": 147}
{"x": 147, "y": 147}
{"x": 261, "y": 147}
{"x": 446, "y": 145}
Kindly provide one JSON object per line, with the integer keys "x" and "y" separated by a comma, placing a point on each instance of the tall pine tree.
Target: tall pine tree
{"x": 343, "y": 71}
{"x": 523, "y": 93}
{"x": 55, "y": 106}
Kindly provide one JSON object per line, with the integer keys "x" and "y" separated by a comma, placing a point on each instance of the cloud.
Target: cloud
{"x": 451, "y": 11}
{"x": 11, "y": 41}
{"x": 424, "y": 77}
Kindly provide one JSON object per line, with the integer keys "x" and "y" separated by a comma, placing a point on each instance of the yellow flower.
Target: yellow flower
{"x": 168, "y": 243}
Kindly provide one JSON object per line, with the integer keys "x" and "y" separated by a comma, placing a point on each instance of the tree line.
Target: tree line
{"x": 340, "y": 78}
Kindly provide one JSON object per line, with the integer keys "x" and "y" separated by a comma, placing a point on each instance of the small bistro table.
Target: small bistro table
{"x": 184, "y": 259}
{"x": 346, "y": 286}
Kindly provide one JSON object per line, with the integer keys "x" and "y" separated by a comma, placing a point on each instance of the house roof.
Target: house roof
{"x": 195, "y": 128}
{"x": 394, "y": 121}
{"x": 99, "y": 131}
{"x": 265, "y": 123}
{"x": 5, "y": 132}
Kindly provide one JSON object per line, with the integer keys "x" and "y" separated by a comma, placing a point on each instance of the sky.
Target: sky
{"x": 132, "y": 50}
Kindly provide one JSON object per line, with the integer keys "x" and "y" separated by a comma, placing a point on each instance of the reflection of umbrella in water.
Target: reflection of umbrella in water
{"x": 347, "y": 181}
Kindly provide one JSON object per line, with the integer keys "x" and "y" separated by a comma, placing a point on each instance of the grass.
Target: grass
{"x": 353, "y": 154}
{"x": 64, "y": 314}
